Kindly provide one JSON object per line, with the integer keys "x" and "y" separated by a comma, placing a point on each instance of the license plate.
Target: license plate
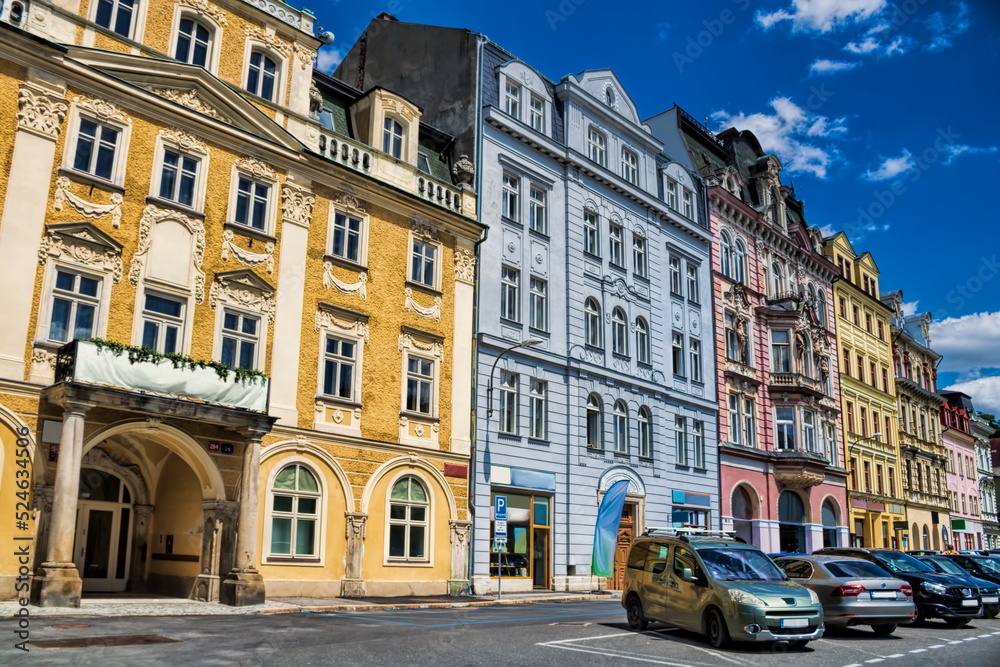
{"x": 991, "y": 600}
{"x": 795, "y": 622}
{"x": 886, "y": 595}
{"x": 970, "y": 603}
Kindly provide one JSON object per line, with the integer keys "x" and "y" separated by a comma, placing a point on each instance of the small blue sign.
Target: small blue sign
{"x": 500, "y": 508}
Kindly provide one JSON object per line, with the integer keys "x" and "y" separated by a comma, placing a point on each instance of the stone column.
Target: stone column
{"x": 138, "y": 576}
{"x": 57, "y": 582}
{"x": 458, "y": 584}
{"x": 461, "y": 356}
{"x": 206, "y": 587}
{"x": 244, "y": 586}
{"x": 353, "y": 585}
{"x": 41, "y": 111}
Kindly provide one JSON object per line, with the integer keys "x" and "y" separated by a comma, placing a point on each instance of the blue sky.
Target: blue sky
{"x": 883, "y": 114}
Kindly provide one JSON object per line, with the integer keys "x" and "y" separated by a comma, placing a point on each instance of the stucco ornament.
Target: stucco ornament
{"x": 327, "y": 320}
{"x": 86, "y": 208}
{"x": 245, "y": 256}
{"x": 465, "y": 265}
{"x": 430, "y": 312}
{"x": 297, "y": 204}
{"x": 406, "y": 342}
{"x": 256, "y": 168}
{"x": 151, "y": 215}
{"x": 183, "y": 140}
{"x": 463, "y": 171}
{"x": 104, "y": 110}
{"x": 305, "y": 56}
{"x": 40, "y": 355}
{"x": 243, "y": 294}
{"x": 190, "y": 99}
{"x": 330, "y": 280}
{"x": 423, "y": 229}
{"x": 75, "y": 250}
{"x": 350, "y": 202}
{"x": 208, "y": 10}
{"x": 39, "y": 112}
{"x": 270, "y": 39}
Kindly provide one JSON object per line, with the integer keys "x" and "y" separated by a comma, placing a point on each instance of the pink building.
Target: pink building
{"x": 781, "y": 462}
{"x": 962, "y": 476}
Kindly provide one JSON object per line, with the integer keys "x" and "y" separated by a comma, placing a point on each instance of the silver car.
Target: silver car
{"x": 853, "y": 591}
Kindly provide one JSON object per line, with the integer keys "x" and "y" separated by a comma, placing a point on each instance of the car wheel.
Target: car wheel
{"x": 798, "y": 643}
{"x": 956, "y": 622}
{"x": 636, "y": 619}
{"x": 716, "y": 630}
{"x": 991, "y": 611}
{"x": 920, "y": 617}
{"x": 884, "y": 629}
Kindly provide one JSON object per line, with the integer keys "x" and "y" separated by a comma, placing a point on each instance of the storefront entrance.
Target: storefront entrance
{"x": 626, "y": 531}
{"x": 103, "y": 531}
{"x": 528, "y": 547}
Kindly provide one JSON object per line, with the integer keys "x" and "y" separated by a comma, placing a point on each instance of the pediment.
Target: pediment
{"x": 244, "y": 279}
{"x": 599, "y": 82}
{"x": 86, "y": 234}
{"x": 189, "y": 86}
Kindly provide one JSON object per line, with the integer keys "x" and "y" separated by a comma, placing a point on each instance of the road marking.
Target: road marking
{"x": 986, "y": 636}
{"x": 623, "y": 656}
{"x": 896, "y": 655}
{"x": 958, "y": 642}
{"x": 919, "y": 650}
{"x": 387, "y": 618}
{"x": 875, "y": 660}
{"x": 937, "y": 646}
{"x": 970, "y": 639}
{"x": 582, "y": 639}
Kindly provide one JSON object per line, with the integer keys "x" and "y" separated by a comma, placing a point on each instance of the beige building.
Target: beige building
{"x": 237, "y": 326}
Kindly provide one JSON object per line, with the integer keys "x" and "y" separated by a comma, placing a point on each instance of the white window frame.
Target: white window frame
{"x": 735, "y": 419}
{"x": 338, "y": 325}
{"x": 594, "y": 425}
{"x": 348, "y": 213}
{"x": 341, "y": 361}
{"x": 388, "y": 134}
{"x": 538, "y": 306}
{"x": 645, "y": 424}
{"x": 538, "y": 209}
{"x": 280, "y": 64}
{"x": 49, "y": 290}
{"x": 698, "y": 443}
{"x": 258, "y": 338}
{"x": 428, "y": 524}
{"x": 680, "y": 441}
{"x": 432, "y": 379}
{"x": 194, "y": 150}
{"x": 616, "y": 244}
{"x": 781, "y": 352}
{"x": 672, "y": 199}
{"x": 537, "y": 114}
{"x": 512, "y": 98}
{"x": 319, "y": 539}
{"x": 124, "y": 128}
{"x": 809, "y": 435}
{"x": 642, "y": 347}
{"x": 694, "y": 349}
{"x": 437, "y": 261}
{"x": 272, "y": 200}
{"x": 676, "y": 285}
{"x": 619, "y": 332}
{"x": 510, "y": 198}
{"x": 693, "y": 283}
{"x": 677, "y": 353}
{"x": 597, "y": 146}
{"x": 592, "y": 323}
{"x": 591, "y": 233}
{"x": 214, "y": 37}
{"x": 184, "y": 321}
{"x": 509, "y": 400}
{"x": 538, "y": 404}
{"x": 749, "y": 422}
{"x": 510, "y": 294}
{"x": 137, "y": 23}
{"x": 785, "y": 426}
{"x": 640, "y": 258}
{"x": 620, "y": 424}
{"x": 687, "y": 199}
{"x": 630, "y": 166}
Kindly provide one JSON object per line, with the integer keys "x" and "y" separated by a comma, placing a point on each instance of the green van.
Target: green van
{"x": 717, "y": 586}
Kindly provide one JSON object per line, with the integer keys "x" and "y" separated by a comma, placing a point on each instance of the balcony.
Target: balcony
{"x": 799, "y": 468}
{"x": 85, "y": 362}
{"x": 795, "y": 383}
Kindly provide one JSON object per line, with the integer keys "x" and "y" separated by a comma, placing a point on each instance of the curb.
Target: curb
{"x": 327, "y": 609}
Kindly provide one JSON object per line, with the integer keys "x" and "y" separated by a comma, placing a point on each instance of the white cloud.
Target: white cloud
{"x": 872, "y": 46}
{"x": 969, "y": 344}
{"x": 954, "y": 151}
{"x": 909, "y": 308}
{"x": 823, "y": 66}
{"x": 822, "y": 15}
{"x": 985, "y": 393}
{"x": 891, "y": 167}
{"x": 944, "y": 29}
{"x": 867, "y": 45}
{"x": 783, "y": 133}
{"x": 327, "y": 59}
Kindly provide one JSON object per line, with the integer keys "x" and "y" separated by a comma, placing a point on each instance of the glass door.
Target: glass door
{"x": 103, "y": 532}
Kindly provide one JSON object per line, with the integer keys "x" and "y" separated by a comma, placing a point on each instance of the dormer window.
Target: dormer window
{"x": 392, "y": 138}
{"x": 536, "y": 114}
{"x": 512, "y": 99}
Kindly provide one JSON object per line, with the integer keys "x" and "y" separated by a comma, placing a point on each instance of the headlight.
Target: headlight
{"x": 935, "y": 588}
{"x": 813, "y": 596}
{"x": 742, "y": 597}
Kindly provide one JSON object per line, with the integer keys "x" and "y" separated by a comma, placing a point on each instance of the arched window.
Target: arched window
{"x": 821, "y": 306}
{"x": 597, "y": 147}
{"x": 829, "y": 512}
{"x": 774, "y": 211}
{"x": 726, "y": 251}
{"x": 811, "y": 294}
{"x": 926, "y": 537}
{"x": 392, "y": 138}
{"x": 295, "y": 497}
{"x": 193, "y": 43}
{"x": 645, "y": 433}
{"x": 777, "y": 279}
{"x": 261, "y": 76}
{"x": 594, "y": 421}
{"x": 408, "y": 510}
{"x": 619, "y": 332}
{"x": 739, "y": 261}
{"x": 791, "y": 523}
{"x": 641, "y": 341}
{"x": 742, "y": 510}
{"x": 609, "y": 96}
{"x": 621, "y": 427}
{"x": 592, "y": 323}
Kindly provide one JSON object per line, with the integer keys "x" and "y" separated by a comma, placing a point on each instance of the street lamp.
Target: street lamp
{"x": 854, "y": 476}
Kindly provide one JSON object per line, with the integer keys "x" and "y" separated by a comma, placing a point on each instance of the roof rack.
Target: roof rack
{"x": 688, "y": 531}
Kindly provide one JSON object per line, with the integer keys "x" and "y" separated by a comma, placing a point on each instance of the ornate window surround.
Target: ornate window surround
{"x": 430, "y": 523}
{"x": 103, "y": 113}
{"x": 262, "y": 172}
{"x": 186, "y": 144}
{"x": 340, "y": 322}
{"x": 209, "y": 16}
{"x": 422, "y": 230}
{"x": 138, "y": 21}
{"x": 430, "y": 346}
{"x": 245, "y": 292}
{"x": 350, "y": 206}
{"x": 277, "y": 49}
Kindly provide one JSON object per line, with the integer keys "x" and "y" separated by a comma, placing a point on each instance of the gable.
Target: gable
{"x": 599, "y": 83}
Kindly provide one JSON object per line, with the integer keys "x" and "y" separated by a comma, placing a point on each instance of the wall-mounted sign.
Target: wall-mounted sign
{"x": 221, "y": 447}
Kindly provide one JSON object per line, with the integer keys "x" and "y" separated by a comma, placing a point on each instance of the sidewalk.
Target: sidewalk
{"x": 150, "y": 605}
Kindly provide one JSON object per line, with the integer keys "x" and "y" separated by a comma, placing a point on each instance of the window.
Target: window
{"x": 739, "y": 261}
{"x": 850, "y": 417}
{"x": 642, "y": 353}
{"x": 508, "y": 402}
{"x": 639, "y": 264}
{"x": 698, "y": 442}
{"x": 619, "y": 332}
{"x": 725, "y": 253}
{"x": 675, "y": 276}
{"x": 423, "y": 263}
{"x": 419, "y": 385}
{"x": 536, "y": 114}
{"x": 736, "y": 337}
{"x": 75, "y": 300}
{"x": 591, "y": 228}
{"x": 873, "y": 375}
{"x": 695, "y": 349}
{"x": 677, "y": 350}
{"x": 591, "y": 323}
{"x": 240, "y": 339}
{"x": 780, "y": 351}
{"x": 855, "y": 316}
{"x": 594, "y": 420}
{"x": 881, "y": 330}
{"x": 645, "y": 433}
{"x": 831, "y": 445}
{"x": 630, "y": 166}
{"x": 868, "y": 322}
{"x": 408, "y": 523}
{"x": 784, "y": 427}
{"x": 162, "y": 323}
{"x": 193, "y": 42}
{"x": 621, "y": 427}
{"x": 512, "y": 98}
{"x": 809, "y": 430}
{"x": 339, "y": 362}
{"x": 392, "y": 138}
{"x": 295, "y": 497}
{"x": 688, "y": 199}
{"x": 680, "y": 429}
{"x": 536, "y": 213}
{"x": 96, "y": 147}
{"x": 843, "y": 307}
{"x": 596, "y": 147}
{"x": 509, "y": 297}
{"x": 750, "y": 422}
{"x": 617, "y": 245}
{"x": 692, "y": 280}
{"x": 178, "y": 177}
{"x": 510, "y": 205}
{"x": 116, "y": 15}
{"x": 261, "y": 76}
{"x": 821, "y": 307}
{"x": 735, "y": 425}
{"x": 252, "y": 202}
{"x": 672, "y": 194}
{"x": 538, "y": 422}
{"x": 538, "y": 305}
{"x": 347, "y": 237}
{"x": 777, "y": 279}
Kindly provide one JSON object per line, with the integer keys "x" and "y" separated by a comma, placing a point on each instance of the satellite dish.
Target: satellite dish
{"x": 325, "y": 37}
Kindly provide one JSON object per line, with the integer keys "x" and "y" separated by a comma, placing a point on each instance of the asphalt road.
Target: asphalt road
{"x": 584, "y": 633}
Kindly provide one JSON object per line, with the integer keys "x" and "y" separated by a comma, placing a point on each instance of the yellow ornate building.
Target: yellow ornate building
{"x": 238, "y": 313}
{"x": 871, "y": 443}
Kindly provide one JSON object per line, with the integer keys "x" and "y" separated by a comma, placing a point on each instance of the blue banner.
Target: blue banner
{"x": 606, "y": 531}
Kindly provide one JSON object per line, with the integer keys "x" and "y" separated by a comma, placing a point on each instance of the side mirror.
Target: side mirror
{"x": 687, "y": 574}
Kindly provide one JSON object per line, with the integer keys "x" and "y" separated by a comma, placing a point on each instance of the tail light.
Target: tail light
{"x": 906, "y": 590}
{"x": 849, "y": 591}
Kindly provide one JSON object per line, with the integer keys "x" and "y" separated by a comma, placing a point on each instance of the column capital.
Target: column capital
{"x": 356, "y": 525}
{"x": 40, "y": 112}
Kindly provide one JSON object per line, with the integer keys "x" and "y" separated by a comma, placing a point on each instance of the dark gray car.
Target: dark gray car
{"x": 853, "y": 591}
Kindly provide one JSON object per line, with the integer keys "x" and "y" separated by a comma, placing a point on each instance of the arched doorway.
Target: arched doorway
{"x": 926, "y": 538}
{"x": 742, "y": 511}
{"x": 829, "y": 513}
{"x": 791, "y": 523}
{"x": 103, "y": 531}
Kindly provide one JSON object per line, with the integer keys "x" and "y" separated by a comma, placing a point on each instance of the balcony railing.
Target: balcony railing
{"x": 86, "y": 362}
{"x": 796, "y": 380}
{"x": 347, "y": 153}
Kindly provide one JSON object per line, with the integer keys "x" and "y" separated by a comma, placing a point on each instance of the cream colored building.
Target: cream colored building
{"x": 271, "y": 309}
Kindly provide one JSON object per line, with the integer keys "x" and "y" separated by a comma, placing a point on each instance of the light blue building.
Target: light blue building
{"x": 594, "y": 303}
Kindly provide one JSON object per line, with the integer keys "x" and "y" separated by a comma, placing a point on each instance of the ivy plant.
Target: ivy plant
{"x": 137, "y": 354}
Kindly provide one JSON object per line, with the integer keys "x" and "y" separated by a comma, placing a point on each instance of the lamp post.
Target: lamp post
{"x": 531, "y": 342}
{"x": 854, "y": 476}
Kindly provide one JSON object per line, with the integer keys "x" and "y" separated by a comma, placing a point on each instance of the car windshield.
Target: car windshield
{"x": 945, "y": 565}
{"x": 899, "y": 562}
{"x": 988, "y": 564}
{"x": 856, "y": 569}
{"x": 740, "y": 565}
